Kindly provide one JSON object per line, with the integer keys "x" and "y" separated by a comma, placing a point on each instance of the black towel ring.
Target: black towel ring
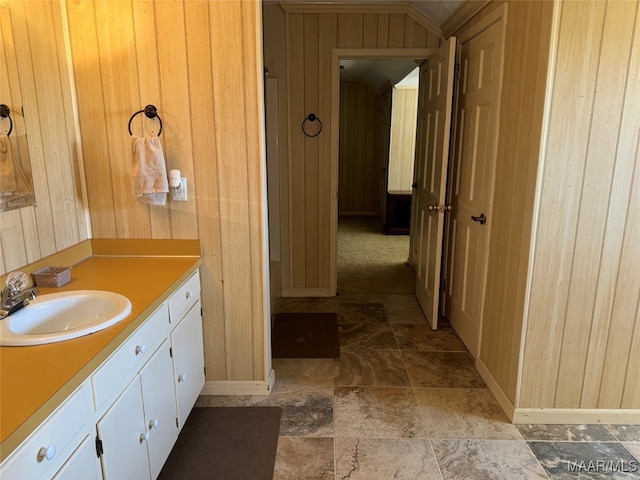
{"x": 5, "y": 112}
{"x": 311, "y": 118}
{"x": 150, "y": 111}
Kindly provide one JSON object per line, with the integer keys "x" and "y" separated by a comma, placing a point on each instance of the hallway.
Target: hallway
{"x": 406, "y": 402}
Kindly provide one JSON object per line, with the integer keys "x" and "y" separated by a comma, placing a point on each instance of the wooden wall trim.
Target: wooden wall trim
{"x": 465, "y": 13}
{"x": 577, "y": 416}
{"x": 336, "y": 7}
{"x": 307, "y": 292}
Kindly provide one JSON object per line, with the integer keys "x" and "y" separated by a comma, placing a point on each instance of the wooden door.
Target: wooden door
{"x": 472, "y": 186}
{"x": 430, "y": 175}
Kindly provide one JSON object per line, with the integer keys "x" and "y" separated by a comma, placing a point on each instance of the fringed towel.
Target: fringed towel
{"x": 148, "y": 170}
{"x": 14, "y": 184}
{"x": 8, "y": 180}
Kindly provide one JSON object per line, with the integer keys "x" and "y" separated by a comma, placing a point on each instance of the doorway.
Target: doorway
{"x": 339, "y": 55}
{"x": 378, "y": 108}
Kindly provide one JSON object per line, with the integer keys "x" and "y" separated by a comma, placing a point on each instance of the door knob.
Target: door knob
{"x": 414, "y": 185}
{"x": 432, "y": 208}
{"x": 481, "y": 219}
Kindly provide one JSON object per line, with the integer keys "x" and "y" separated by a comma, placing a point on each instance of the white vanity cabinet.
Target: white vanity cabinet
{"x": 138, "y": 431}
{"x": 54, "y": 442}
{"x": 124, "y": 419}
{"x": 140, "y": 427}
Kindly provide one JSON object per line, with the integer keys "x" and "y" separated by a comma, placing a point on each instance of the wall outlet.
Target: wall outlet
{"x": 179, "y": 194}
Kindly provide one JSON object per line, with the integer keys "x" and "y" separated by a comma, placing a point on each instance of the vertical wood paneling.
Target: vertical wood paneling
{"x": 202, "y": 110}
{"x": 383, "y": 30}
{"x": 328, "y": 39}
{"x": 256, "y": 183}
{"x": 297, "y": 176}
{"x": 359, "y": 160}
{"x": 592, "y": 147}
{"x": 563, "y": 171}
{"x": 201, "y": 63}
{"x": 311, "y": 150}
{"x": 150, "y": 92}
{"x": 404, "y": 114}
{"x": 341, "y": 30}
{"x": 231, "y": 141}
{"x": 350, "y": 27}
{"x": 415, "y": 34}
{"x": 115, "y": 31}
{"x": 89, "y": 79}
{"x": 370, "y": 30}
{"x": 525, "y": 61}
{"x": 174, "y": 92}
{"x": 28, "y": 234}
{"x": 396, "y": 30}
{"x": 595, "y": 191}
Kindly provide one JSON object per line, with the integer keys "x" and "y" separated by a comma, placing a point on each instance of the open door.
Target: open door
{"x": 430, "y": 175}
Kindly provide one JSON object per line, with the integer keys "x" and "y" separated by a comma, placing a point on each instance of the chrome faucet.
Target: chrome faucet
{"x": 16, "y": 294}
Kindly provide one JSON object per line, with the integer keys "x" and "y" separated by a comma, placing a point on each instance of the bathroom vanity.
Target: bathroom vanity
{"x": 108, "y": 405}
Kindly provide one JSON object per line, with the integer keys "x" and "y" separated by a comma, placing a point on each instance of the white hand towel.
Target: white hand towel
{"x": 8, "y": 180}
{"x": 148, "y": 170}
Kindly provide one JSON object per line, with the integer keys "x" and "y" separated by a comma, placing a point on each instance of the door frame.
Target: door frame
{"x": 338, "y": 54}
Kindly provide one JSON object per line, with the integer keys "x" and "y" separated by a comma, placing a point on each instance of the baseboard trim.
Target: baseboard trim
{"x": 577, "y": 416}
{"x": 306, "y": 292}
{"x": 223, "y": 387}
{"x": 496, "y": 389}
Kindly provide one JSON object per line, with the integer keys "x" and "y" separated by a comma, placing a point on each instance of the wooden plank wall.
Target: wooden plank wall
{"x": 359, "y": 149}
{"x": 583, "y": 332}
{"x": 60, "y": 218}
{"x": 307, "y": 189}
{"x": 402, "y": 150}
{"x": 200, "y": 63}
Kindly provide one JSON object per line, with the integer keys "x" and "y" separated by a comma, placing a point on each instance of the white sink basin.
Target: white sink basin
{"x": 55, "y": 317}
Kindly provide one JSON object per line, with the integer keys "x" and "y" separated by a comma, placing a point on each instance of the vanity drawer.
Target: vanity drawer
{"x": 185, "y": 296}
{"x": 55, "y": 434}
{"x": 129, "y": 358}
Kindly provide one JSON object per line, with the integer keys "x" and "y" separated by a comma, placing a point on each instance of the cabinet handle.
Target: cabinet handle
{"x": 189, "y": 295}
{"x": 182, "y": 378}
{"x": 153, "y": 423}
{"x": 141, "y": 349}
{"x": 47, "y": 453}
{"x": 144, "y": 437}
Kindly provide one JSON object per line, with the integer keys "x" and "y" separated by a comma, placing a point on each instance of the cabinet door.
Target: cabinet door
{"x": 188, "y": 361}
{"x": 159, "y": 406}
{"x": 122, "y": 431}
{"x": 83, "y": 464}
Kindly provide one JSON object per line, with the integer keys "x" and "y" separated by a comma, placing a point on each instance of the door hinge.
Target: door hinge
{"x": 205, "y": 370}
{"x": 200, "y": 311}
{"x": 456, "y": 71}
{"x": 99, "y": 449}
{"x": 171, "y": 352}
{"x": 177, "y": 423}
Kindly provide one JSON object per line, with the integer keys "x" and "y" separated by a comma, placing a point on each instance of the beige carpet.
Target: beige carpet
{"x": 370, "y": 262}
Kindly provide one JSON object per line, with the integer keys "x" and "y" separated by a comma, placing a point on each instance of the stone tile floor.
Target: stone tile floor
{"x": 406, "y": 402}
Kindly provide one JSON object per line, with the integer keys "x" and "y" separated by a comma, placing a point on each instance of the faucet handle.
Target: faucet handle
{"x": 16, "y": 281}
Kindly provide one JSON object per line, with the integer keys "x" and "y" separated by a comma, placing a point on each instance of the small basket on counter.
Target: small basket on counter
{"x": 51, "y": 277}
